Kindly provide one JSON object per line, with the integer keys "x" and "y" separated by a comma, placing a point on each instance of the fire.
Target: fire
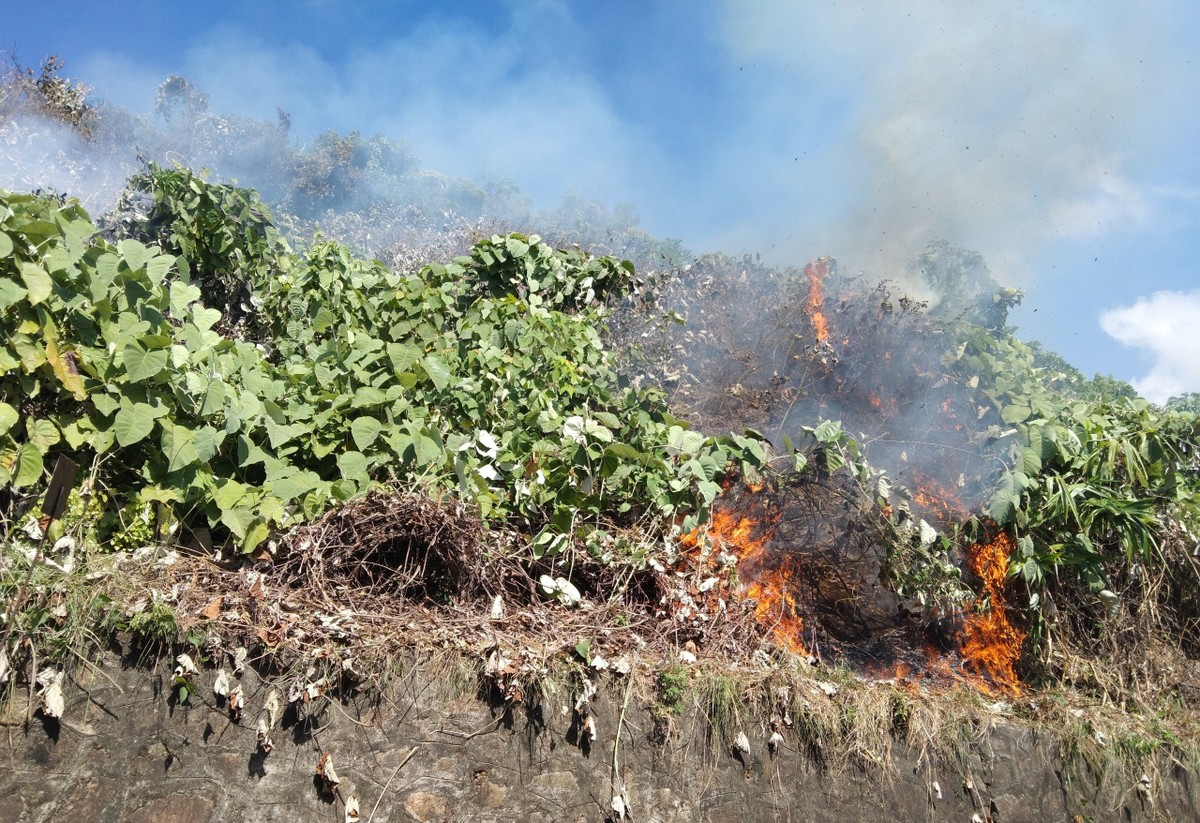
{"x": 816, "y": 273}
{"x": 886, "y": 407}
{"x": 991, "y": 643}
{"x": 767, "y": 584}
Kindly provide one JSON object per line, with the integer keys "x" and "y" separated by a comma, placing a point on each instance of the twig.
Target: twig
{"x": 469, "y": 735}
{"x": 395, "y": 772}
{"x": 616, "y": 766}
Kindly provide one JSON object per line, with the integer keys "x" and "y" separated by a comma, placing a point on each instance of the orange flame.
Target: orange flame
{"x": 769, "y": 587}
{"x": 991, "y": 643}
{"x": 886, "y": 407}
{"x": 816, "y": 273}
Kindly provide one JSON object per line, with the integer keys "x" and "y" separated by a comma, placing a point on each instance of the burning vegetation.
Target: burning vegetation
{"x": 862, "y": 477}
{"x": 910, "y": 561}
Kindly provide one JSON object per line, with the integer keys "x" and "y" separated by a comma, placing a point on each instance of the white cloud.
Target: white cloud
{"x": 1167, "y": 326}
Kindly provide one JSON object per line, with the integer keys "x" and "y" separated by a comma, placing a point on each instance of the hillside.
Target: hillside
{"x": 223, "y": 439}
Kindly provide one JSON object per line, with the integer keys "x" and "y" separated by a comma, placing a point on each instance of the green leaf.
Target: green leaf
{"x": 237, "y": 519}
{"x": 323, "y": 320}
{"x": 1006, "y": 500}
{"x": 353, "y": 466}
{"x": 181, "y": 296}
{"x": 42, "y": 433}
{"x": 8, "y": 416}
{"x": 227, "y": 493}
{"x": 135, "y": 253}
{"x": 214, "y": 399}
{"x": 367, "y": 396}
{"x": 296, "y": 485}
{"x": 11, "y": 292}
{"x": 1015, "y": 414}
{"x": 27, "y": 468}
{"x": 158, "y": 267}
{"x": 37, "y": 281}
{"x": 256, "y": 533}
{"x": 106, "y": 404}
{"x": 141, "y": 364}
{"x": 437, "y": 370}
{"x": 133, "y": 423}
{"x": 828, "y": 431}
{"x": 426, "y": 449}
{"x": 6, "y": 245}
{"x": 204, "y": 319}
{"x": 178, "y": 443}
{"x": 364, "y": 430}
{"x": 1031, "y": 461}
{"x": 207, "y": 442}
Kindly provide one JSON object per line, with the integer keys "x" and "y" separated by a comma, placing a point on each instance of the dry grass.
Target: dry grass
{"x": 394, "y": 589}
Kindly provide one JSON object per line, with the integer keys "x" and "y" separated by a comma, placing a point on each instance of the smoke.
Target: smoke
{"x": 41, "y": 154}
{"x": 470, "y": 101}
{"x": 998, "y": 128}
{"x": 860, "y": 130}
{"x": 1164, "y": 325}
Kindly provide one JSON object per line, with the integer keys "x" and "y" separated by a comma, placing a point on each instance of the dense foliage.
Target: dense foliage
{"x": 486, "y": 376}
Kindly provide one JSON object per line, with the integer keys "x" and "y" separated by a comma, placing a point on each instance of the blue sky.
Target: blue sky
{"x": 1058, "y": 139}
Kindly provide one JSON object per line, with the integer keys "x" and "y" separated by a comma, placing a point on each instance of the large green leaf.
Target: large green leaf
{"x": 364, "y": 430}
{"x": 42, "y": 433}
{"x": 37, "y": 280}
{"x": 353, "y": 466}
{"x": 178, "y": 443}
{"x": 181, "y": 296}
{"x": 439, "y": 373}
{"x": 133, "y": 423}
{"x": 207, "y": 442}
{"x": 141, "y": 364}
{"x": 11, "y": 292}
{"x": 159, "y": 266}
{"x": 8, "y": 416}
{"x": 27, "y": 468}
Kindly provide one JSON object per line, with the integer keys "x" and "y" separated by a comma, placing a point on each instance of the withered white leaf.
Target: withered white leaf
{"x": 589, "y": 728}
{"x": 775, "y": 742}
{"x": 265, "y": 744}
{"x": 5, "y": 667}
{"x": 599, "y": 663}
{"x": 496, "y": 662}
{"x": 221, "y": 684}
{"x": 325, "y": 770}
{"x": 618, "y": 806}
{"x": 937, "y": 789}
{"x": 742, "y": 743}
{"x": 352, "y": 812}
{"x": 497, "y": 608}
{"x": 236, "y": 703}
{"x": 239, "y": 660}
{"x": 50, "y": 680}
{"x": 185, "y": 666}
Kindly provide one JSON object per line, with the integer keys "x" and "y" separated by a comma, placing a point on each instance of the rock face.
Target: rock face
{"x": 125, "y": 752}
